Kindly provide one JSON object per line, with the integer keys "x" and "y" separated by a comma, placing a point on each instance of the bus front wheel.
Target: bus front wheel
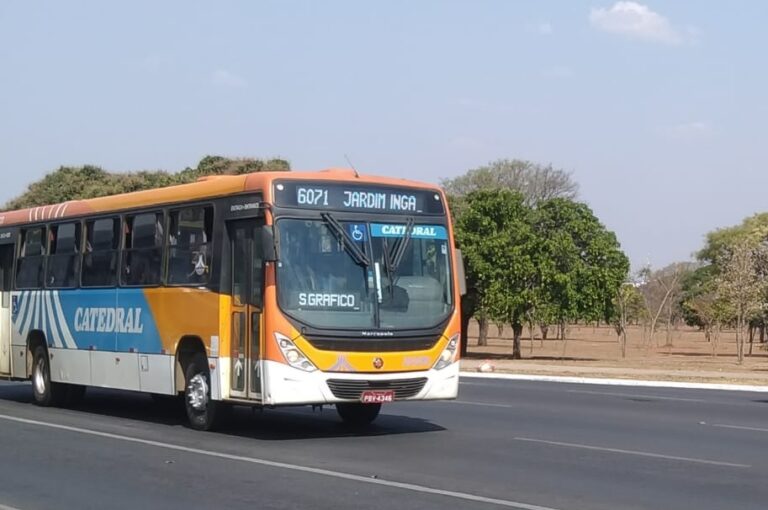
{"x": 202, "y": 411}
{"x": 358, "y": 414}
{"x": 46, "y": 392}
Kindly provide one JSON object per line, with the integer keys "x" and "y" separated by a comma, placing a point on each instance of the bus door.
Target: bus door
{"x": 246, "y": 342}
{"x": 6, "y": 271}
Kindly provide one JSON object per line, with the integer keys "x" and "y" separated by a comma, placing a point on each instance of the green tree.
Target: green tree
{"x": 718, "y": 249}
{"x": 219, "y": 165}
{"x": 536, "y": 183}
{"x": 64, "y": 184}
{"x": 496, "y": 237}
{"x": 720, "y": 242}
{"x": 580, "y": 262}
{"x": 74, "y": 183}
{"x": 742, "y": 284}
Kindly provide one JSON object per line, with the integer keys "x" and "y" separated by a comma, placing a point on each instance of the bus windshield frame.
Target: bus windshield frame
{"x": 392, "y": 278}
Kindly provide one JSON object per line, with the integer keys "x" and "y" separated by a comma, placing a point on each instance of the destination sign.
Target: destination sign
{"x": 328, "y": 301}
{"x": 354, "y": 197}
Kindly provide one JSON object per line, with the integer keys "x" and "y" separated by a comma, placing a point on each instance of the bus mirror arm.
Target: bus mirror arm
{"x": 269, "y": 243}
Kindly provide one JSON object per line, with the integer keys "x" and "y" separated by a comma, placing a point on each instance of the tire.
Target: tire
{"x": 46, "y": 393}
{"x": 202, "y": 412}
{"x": 358, "y": 415}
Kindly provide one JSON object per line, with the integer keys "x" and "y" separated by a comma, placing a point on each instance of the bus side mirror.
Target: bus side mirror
{"x": 460, "y": 274}
{"x": 269, "y": 244}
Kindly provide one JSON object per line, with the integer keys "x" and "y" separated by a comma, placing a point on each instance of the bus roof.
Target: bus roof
{"x": 204, "y": 188}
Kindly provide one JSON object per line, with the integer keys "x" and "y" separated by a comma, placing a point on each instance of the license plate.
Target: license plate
{"x": 377, "y": 396}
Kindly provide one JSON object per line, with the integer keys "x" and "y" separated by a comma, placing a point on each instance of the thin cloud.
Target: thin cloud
{"x": 695, "y": 130}
{"x": 638, "y": 21}
{"x": 545, "y": 28}
{"x": 225, "y": 78}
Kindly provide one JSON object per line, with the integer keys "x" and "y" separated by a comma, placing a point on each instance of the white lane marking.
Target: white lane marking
{"x": 634, "y": 452}
{"x": 633, "y": 395}
{"x": 283, "y": 465}
{"x": 618, "y": 382}
{"x": 6, "y": 507}
{"x": 738, "y": 427}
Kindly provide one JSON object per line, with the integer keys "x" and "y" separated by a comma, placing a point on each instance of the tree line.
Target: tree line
{"x": 71, "y": 183}
{"x": 726, "y": 287}
{"x": 534, "y": 255}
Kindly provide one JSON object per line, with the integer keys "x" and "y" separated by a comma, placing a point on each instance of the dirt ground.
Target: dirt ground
{"x": 594, "y": 352}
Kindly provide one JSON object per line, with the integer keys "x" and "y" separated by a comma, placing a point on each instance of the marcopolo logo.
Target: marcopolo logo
{"x": 109, "y": 320}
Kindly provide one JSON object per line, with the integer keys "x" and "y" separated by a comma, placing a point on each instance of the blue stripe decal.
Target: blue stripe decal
{"x": 100, "y": 319}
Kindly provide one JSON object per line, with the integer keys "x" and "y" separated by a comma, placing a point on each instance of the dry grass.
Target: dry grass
{"x": 590, "y": 346}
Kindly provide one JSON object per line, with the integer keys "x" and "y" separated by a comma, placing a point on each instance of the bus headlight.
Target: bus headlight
{"x": 448, "y": 355}
{"x": 292, "y": 354}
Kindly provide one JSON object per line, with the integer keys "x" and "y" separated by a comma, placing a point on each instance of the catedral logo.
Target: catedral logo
{"x": 418, "y": 231}
{"x": 109, "y": 320}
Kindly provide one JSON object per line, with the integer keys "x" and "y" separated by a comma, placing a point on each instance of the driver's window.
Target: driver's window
{"x": 189, "y": 246}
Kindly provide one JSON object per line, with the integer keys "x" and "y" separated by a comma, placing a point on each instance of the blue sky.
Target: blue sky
{"x": 658, "y": 108}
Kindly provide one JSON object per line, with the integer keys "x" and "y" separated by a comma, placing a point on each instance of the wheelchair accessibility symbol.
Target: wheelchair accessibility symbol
{"x": 357, "y": 231}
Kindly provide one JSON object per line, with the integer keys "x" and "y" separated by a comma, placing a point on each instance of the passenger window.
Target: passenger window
{"x": 189, "y": 246}
{"x": 63, "y": 258}
{"x": 29, "y": 273}
{"x": 143, "y": 250}
{"x": 99, "y": 267}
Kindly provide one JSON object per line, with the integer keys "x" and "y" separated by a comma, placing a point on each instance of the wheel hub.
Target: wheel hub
{"x": 39, "y": 377}
{"x": 197, "y": 392}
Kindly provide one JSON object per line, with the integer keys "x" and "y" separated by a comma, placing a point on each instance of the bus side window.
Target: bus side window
{"x": 29, "y": 271}
{"x": 63, "y": 258}
{"x": 189, "y": 246}
{"x": 99, "y": 268}
{"x": 143, "y": 250}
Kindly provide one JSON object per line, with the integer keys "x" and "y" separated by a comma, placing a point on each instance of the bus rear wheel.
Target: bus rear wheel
{"x": 46, "y": 392}
{"x": 358, "y": 415}
{"x": 202, "y": 412}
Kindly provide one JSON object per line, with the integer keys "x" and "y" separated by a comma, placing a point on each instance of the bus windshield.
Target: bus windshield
{"x": 358, "y": 275}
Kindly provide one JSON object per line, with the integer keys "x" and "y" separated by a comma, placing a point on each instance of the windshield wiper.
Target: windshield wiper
{"x": 398, "y": 250}
{"x": 352, "y": 248}
{"x": 390, "y": 268}
{"x": 393, "y": 257}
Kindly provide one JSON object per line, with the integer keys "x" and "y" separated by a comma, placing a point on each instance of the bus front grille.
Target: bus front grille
{"x": 352, "y": 389}
{"x": 420, "y": 343}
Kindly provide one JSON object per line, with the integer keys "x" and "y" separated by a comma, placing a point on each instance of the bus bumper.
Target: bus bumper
{"x": 285, "y": 385}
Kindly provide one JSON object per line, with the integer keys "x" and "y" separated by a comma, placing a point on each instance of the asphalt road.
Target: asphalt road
{"x": 503, "y": 444}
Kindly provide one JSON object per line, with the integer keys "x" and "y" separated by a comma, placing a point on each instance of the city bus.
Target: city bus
{"x": 266, "y": 289}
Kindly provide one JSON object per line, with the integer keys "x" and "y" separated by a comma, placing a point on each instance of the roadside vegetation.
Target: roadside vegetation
{"x": 538, "y": 260}
{"x": 72, "y": 183}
